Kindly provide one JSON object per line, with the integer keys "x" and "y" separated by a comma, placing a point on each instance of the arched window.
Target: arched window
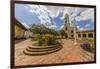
{"x": 66, "y": 28}
{"x": 72, "y": 36}
{"x": 79, "y": 35}
{"x": 71, "y": 31}
{"x": 65, "y": 21}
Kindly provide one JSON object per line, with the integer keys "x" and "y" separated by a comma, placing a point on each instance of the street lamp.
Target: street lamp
{"x": 75, "y": 37}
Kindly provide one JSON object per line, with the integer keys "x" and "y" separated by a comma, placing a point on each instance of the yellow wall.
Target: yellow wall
{"x": 19, "y": 32}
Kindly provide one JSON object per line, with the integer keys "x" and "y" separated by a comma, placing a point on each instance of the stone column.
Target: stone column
{"x": 87, "y": 35}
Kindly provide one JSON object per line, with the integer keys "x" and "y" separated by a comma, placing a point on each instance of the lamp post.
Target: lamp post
{"x": 75, "y": 37}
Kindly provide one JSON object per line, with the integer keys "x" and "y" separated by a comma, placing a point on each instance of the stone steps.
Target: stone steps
{"x": 41, "y": 51}
{"x": 43, "y": 47}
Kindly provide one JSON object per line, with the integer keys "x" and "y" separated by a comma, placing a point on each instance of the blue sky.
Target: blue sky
{"x": 52, "y": 16}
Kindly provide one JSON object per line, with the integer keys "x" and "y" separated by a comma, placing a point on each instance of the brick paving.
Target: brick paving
{"x": 69, "y": 53}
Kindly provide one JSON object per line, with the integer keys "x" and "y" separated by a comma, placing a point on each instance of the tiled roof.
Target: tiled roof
{"x": 85, "y": 31}
{"x": 19, "y": 24}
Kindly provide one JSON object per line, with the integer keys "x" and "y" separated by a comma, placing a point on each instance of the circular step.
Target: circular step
{"x": 39, "y": 50}
{"x": 43, "y": 47}
{"x": 34, "y": 52}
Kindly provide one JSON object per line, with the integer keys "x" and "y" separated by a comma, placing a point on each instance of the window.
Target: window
{"x": 71, "y": 31}
{"x": 66, "y": 28}
{"x": 90, "y": 35}
{"x": 84, "y": 35}
{"x": 72, "y": 36}
{"x": 79, "y": 35}
{"x": 65, "y": 21}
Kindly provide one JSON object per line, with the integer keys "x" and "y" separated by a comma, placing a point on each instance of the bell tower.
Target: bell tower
{"x": 67, "y": 26}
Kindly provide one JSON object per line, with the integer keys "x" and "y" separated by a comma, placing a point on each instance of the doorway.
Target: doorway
{"x": 66, "y": 35}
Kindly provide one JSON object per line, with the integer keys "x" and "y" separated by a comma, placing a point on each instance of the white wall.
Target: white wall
{"x": 5, "y": 35}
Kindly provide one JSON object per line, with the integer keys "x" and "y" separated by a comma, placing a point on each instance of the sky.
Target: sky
{"x": 53, "y": 16}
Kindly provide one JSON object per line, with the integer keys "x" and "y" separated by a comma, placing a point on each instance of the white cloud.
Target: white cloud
{"x": 86, "y": 15}
{"x": 78, "y": 27}
{"x": 87, "y": 25}
{"x": 47, "y": 13}
{"x": 53, "y": 26}
{"x": 79, "y": 14}
{"x": 41, "y": 12}
{"x": 61, "y": 27}
{"x": 72, "y": 12}
{"x": 81, "y": 28}
{"x": 23, "y": 23}
{"x": 65, "y": 11}
{"x": 84, "y": 28}
{"x": 54, "y": 11}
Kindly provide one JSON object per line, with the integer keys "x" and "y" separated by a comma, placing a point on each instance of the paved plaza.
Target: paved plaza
{"x": 69, "y": 53}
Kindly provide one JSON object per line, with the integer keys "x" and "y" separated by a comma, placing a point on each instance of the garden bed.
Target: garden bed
{"x": 88, "y": 45}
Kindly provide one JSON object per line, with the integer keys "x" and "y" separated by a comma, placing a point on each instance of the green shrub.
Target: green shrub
{"x": 39, "y": 40}
{"x": 49, "y": 39}
{"x": 46, "y": 39}
{"x": 44, "y": 35}
{"x": 88, "y": 44}
{"x": 89, "y": 40}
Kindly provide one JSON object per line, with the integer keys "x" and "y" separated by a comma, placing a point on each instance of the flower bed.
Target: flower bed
{"x": 88, "y": 47}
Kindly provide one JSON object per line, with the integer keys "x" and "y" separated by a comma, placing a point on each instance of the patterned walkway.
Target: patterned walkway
{"x": 69, "y": 53}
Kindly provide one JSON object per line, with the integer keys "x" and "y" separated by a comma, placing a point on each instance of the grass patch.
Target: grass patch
{"x": 89, "y": 40}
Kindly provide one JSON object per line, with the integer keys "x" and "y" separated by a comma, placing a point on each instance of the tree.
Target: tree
{"x": 41, "y": 29}
{"x": 62, "y": 33}
{"x": 45, "y": 35}
{"x": 37, "y": 29}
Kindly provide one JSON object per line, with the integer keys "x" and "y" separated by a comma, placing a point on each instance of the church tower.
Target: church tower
{"x": 67, "y": 28}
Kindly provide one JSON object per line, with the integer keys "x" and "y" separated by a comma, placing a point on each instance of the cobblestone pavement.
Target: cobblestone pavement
{"x": 69, "y": 53}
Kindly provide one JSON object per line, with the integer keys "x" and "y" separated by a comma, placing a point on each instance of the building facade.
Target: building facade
{"x": 71, "y": 32}
{"x": 28, "y": 34}
{"x": 85, "y": 34}
{"x": 19, "y": 30}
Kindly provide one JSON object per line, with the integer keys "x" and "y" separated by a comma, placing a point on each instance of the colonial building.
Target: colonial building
{"x": 28, "y": 34}
{"x": 85, "y": 34}
{"x": 19, "y": 30}
{"x": 72, "y": 32}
